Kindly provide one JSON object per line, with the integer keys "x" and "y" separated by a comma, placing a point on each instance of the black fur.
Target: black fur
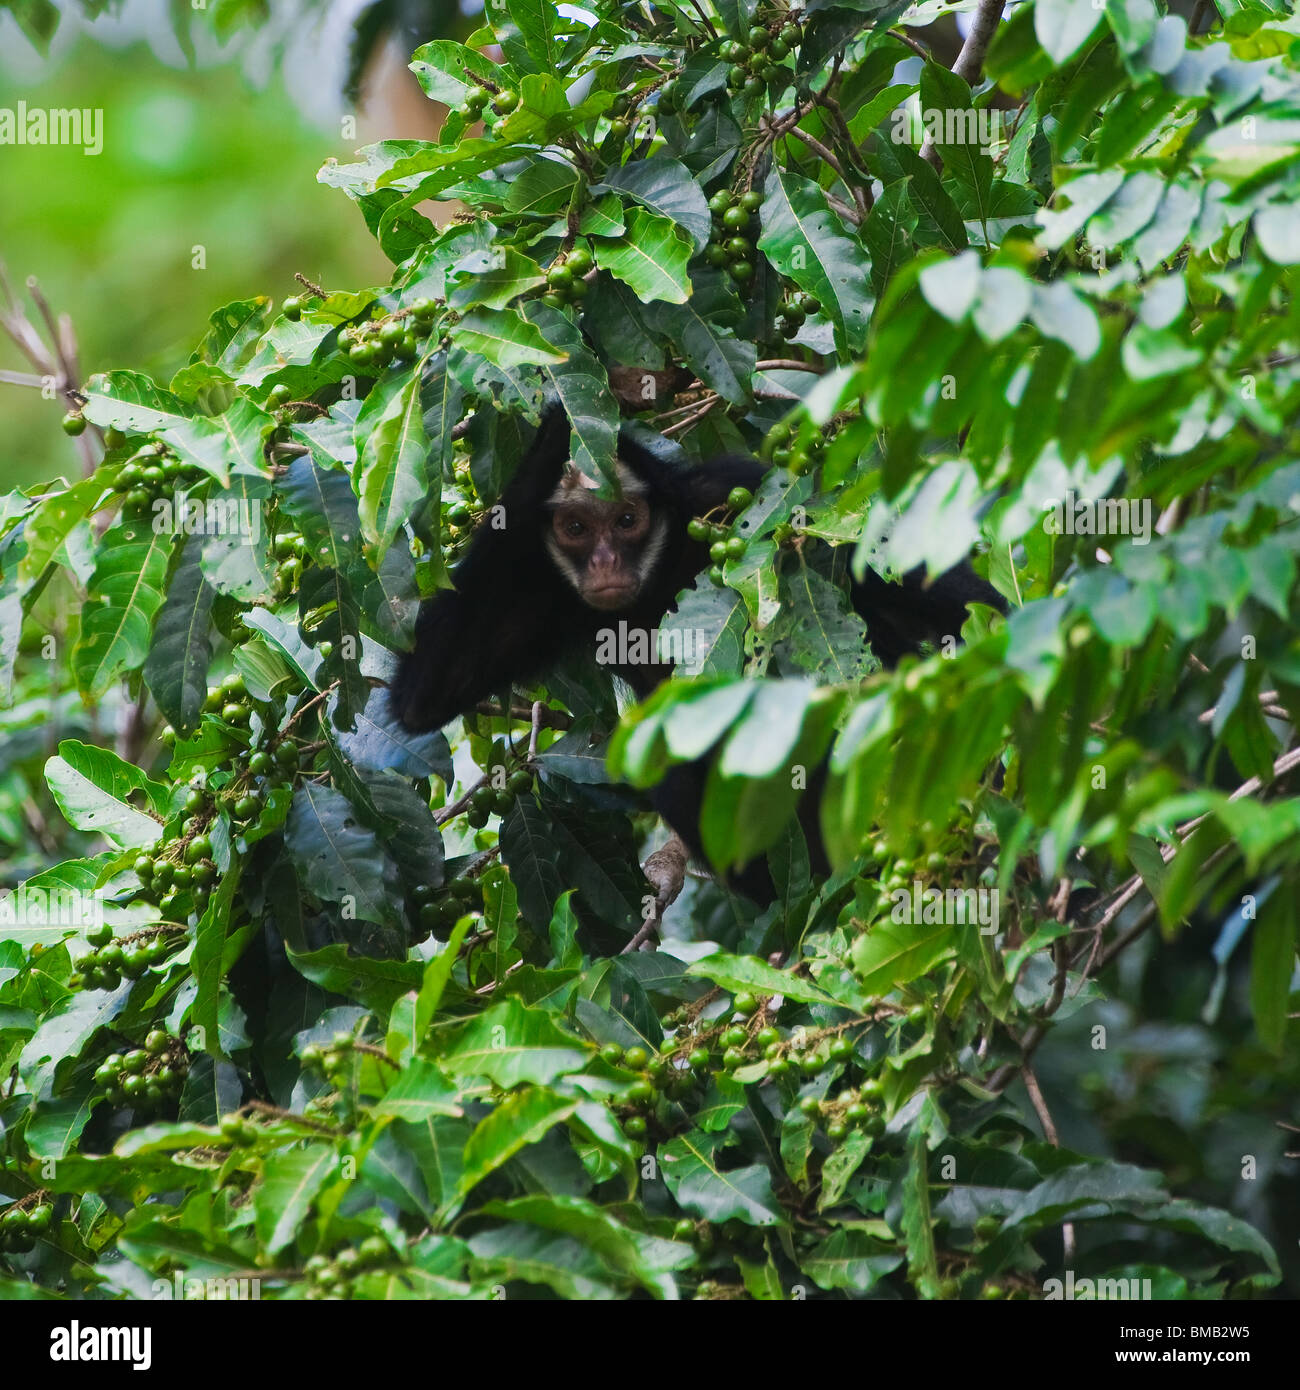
{"x": 512, "y": 616}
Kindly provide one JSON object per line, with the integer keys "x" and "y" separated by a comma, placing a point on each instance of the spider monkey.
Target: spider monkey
{"x": 568, "y": 559}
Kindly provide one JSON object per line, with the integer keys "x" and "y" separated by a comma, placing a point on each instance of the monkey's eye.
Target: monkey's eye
{"x": 574, "y": 528}
{"x": 627, "y": 520}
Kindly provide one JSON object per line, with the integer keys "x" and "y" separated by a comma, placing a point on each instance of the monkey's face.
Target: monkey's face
{"x": 603, "y": 548}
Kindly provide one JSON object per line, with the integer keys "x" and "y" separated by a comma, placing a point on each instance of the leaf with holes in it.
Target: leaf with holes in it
{"x": 807, "y": 243}
{"x": 94, "y": 790}
{"x": 130, "y": 401}
{"x": 651, "y": 258}
{"x": 176, "y": 668}
{"x": 505, "y": 339}
{"x": 392, "y": 446}
{"x": 444, "y": 67}
{"x": 126, "y": 592}
{"x": 336, "y": 856}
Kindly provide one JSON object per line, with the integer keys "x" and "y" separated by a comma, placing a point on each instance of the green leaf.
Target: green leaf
{"x": 809, "y": 244}
{"x": 504, "y": 338}
{"x": 1272, "y": 965}
{"x": 666, "y": 186}
{"x": 493, "y": 278}
{"x": 291, "y": 1182}
{"x": 100, "y": 794}
{"x": 749, "y": 973}
{"x": 651, "y": 258}
{"x": 704, "y": 331}
{"x": 442, "y": 68}
{"x": 391, "y": 447}
{"x": 176, "y": 668}
{"x": 890, "y": 954}
{"x": 510, "y": 1044}
{"x": 341, "y": 860}
{"x": 1064, "y": 26}
{"x": 692, "y": 1174}
{"x": 126, "y": 592}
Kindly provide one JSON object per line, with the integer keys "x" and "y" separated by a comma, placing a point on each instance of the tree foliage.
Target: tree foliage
{"x": 350, "y": 1009}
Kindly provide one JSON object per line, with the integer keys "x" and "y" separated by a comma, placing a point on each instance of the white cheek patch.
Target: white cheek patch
{"x": 654, "y": 547}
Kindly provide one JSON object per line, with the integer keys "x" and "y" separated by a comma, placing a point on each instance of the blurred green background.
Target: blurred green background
{"x": 190, "y": 158}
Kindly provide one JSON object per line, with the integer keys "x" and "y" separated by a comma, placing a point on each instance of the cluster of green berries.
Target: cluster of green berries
{"x": 731, "y": 242}
{"x": 437, "y": 910}
{"x": 724, "y": 545}
{"x": 153, "y": 472}
{"x": 291, "y": 554}
{"x": 145, "y": 1078}
{"x": 379, "y": 342}
{"x": 793, "y": 309}
{"x": 850, "y": 1109}
{"x": 477, "y": 101}
{"x": 20, "y": 1225}
{"x": 457, "y": 519}
{"x": 658, "y": 1074}
{"x": 238, "y": 1130}
{"x": 490, "y": 799}
{"x": 806, "y": 1057}
{"x": 564, "y": 278}
{"x": 331, "y": 1276}
{"x": 330, "y": 1062}
{"x": 619, "y": 109}
{"x": 755, "y": 62}
{"x": 799, "y": 456}
{"x": 110, "y": 960}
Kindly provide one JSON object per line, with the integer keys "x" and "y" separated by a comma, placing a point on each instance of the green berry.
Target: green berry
{"x": 739, "y": 498}
{"x": 699, "y": 1058}
{"x": 634, "y": 1126}
{"x": 505, "y": 101}
{"x": 73, "y": 423}
{"x": 612, "y": 1053}
{"x": 157, "y": 1042}
{"x": 736, "y": 218}
{"x": 810, "y": 1106}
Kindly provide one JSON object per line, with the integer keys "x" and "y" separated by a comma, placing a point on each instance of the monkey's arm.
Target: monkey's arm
{"x": 903, "y": 614}
{"x": 504, "y": 622}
